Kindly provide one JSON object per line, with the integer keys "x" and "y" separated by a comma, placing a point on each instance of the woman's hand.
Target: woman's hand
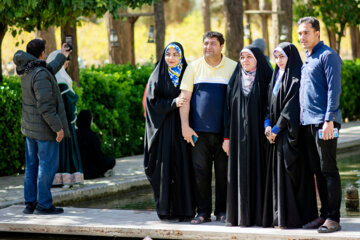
{"x": 180, "y": 101}
{"x": 272, "y": 137}
{"x": 268, "y": 133}
{"x": 225, "y": 146}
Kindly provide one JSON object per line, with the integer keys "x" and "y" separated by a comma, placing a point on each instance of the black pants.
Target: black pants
{"x": 208, "y": 149}
{"x": 322, "y": 157}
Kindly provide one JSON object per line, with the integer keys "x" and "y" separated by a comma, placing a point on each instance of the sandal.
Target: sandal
{"x": 317, "y": 222}
{"x": 221, "y": 218}
{"x": 200, "y": 219}
{"x": 329, "y": 226}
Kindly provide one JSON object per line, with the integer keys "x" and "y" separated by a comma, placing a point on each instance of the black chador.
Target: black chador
{"x": 244, "y": 118}
{"x": 166, "y": 156}
{"x": 290, "y": 198}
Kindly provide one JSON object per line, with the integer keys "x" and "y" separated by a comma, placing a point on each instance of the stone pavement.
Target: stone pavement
{"x": 131, "y": 223}
{"x": 128, "y": 172}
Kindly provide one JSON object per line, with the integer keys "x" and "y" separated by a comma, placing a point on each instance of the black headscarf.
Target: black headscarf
{"x": 160, "y": 96}
{"x": 263, "y": 69}
{"x": 284, "y": 108}
{"x": 263, "y": 73}
{"x": 84, "y": 119}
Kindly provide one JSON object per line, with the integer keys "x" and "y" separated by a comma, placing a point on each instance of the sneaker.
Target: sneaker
{"x": 29, "y": 208}
{"x": 45, "y": 211}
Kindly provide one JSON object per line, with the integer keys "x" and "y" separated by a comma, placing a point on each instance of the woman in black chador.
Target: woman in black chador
{"x": 290, "y": 199}
{"x": 166, "y": 159}
{"x": 244, "y": 117}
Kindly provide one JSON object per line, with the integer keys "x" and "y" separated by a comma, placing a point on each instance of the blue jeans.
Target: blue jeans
{"x": 41, "y": 164}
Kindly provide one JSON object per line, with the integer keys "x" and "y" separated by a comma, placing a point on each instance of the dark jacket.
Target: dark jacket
{"x": 43, "y": 112}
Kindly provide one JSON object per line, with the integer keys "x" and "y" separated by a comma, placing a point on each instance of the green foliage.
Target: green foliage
{"x": 335, "y": 14}
{"x": 350, "y": 86}
{"x": 12, "y": 142}
{"x": 114, "y": 94}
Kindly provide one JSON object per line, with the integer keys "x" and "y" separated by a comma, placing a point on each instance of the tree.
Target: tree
{"x": 282, "y": 23}
{"x": 49, "y": 36}
{"x": 206, "y": 15}
{"x": 355, "y": 41}
{"x": 121, "y": 53}
{"x": 159, "y": 28}
{"x": 335, "y": 14}
{"x": 30, "y": 14}
{"x": 234, "y": 28}
{"x": 19, "y": 15}
{"x": 265, "y": 5}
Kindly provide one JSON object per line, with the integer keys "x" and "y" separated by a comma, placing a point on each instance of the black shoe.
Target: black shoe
{"x": 29, "y": 208}
{"x": 44, "y": 211}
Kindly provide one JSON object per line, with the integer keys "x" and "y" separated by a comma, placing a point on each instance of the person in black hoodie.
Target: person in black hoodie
{"x": 43, "y": 122}
{"x": 95, "y": 164}
{"x": 290, "y": 199}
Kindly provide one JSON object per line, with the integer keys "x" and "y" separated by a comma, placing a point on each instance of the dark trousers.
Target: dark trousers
{"x": 322, "y": 157}
{"x": 208, "y": 149}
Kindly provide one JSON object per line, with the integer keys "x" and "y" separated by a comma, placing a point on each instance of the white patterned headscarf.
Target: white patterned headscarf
{"x": 61, "y": 76}
{"x": 175, "y": 72}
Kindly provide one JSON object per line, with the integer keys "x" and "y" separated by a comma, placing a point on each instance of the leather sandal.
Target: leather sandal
{"x": 329, "y": 226}
{"x": 316, "y": 223}
{"x": 200, "y": 219}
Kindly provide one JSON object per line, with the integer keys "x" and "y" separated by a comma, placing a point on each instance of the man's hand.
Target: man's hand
{"x": 187, "y": 133}
{"x": 65, "y": 51}
{"x": 328, "y": 130}
{"x": 59, "y": 135}
{"x": 225, "y": 146}
{"x": 180, "y": 101}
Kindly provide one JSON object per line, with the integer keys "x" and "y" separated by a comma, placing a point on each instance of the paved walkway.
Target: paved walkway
{"x": 128, "y": 172}
{"x": 130, "y": 223}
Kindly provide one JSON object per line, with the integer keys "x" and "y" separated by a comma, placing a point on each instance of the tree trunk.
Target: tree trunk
{"x": 332, "y": 39}
{"x": 282, "y": 23}
{"x": 206, "y": 15}
{"x": 49, "y": 36}
{"x": 70, "y": 29}
{"x": 248, "y": 19}
{"x": 159, "y": 28}
{"x": 340, "y": 35}
{"x": 119, "y": 54}
{"x": 264, "y": 5}
{"x": 132, "y": 21}
{"x": 234, "y": 28}
{"x": 3, "y": 29}
{"x": 355, "y": 41}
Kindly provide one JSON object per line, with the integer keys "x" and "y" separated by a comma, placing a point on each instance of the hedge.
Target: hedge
{"x": 12, "y": 142}
{"x": 114, "y": 94}
{"x": 350, "y": 86}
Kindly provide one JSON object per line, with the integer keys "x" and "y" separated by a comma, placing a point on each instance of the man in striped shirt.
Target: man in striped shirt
{"x": 204, "y": 83}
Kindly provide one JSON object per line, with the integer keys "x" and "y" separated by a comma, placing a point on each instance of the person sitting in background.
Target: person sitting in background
{"x": 95, "y": 164}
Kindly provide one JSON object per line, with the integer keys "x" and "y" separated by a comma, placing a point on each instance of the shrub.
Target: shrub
{"x": 350, "y": 86}
{"x": 12, "y": 142}
{"x": 114, "y": 94}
